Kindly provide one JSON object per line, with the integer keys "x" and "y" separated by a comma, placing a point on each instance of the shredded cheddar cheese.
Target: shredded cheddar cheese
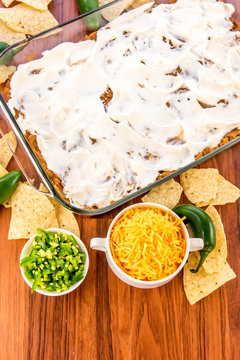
{"x": 147, "y": 243}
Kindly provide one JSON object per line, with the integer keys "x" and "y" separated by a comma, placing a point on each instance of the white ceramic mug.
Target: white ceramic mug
{"x": 102, "y": 244}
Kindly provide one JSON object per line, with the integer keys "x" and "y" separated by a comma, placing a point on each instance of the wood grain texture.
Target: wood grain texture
{"x": 105, "y": 319}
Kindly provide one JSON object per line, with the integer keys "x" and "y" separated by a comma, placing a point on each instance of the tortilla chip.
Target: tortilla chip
{"x": 167, "y": 194}
{"x": 36, "y": 4}
{"x": 114, "y": 11}
{"x": 138, "y": 3}
{"x": 24, "y": 19}
{"x": 8, "y": 203}
{"x": 6, "y": 72}
{"x": 5, "y": 153}
{"x": 10, "y": 36}
{"x": 201, "y": 284}
{"x": 200, "y": 185}
{"x": 66, "y": 218}
{"x": 226, "y": 192}
{"x": 217, "y": 258}
{"x": 2, "y": 171}
{"x": 30, "y": 211}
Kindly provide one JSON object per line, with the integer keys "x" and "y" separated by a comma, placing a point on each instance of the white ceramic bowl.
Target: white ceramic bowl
{"x": 102, "y": 244}
{"x": 26, "y": 251}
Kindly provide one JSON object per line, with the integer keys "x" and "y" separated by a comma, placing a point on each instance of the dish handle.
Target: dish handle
{"x": 196, "y": 244}
{"x": 99, "y": 244}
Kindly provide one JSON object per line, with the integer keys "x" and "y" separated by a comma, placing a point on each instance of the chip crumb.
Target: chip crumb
{"x": 201, "y": 284}
{"x": 167, "y": 194}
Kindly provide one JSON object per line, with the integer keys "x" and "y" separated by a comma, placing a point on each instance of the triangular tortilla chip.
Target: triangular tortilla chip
{"x": 30, "y": 211}
{"x": 200, "y": 185}
{"x": 167, "y": 194}
{"x": 138, "y": 3}
{"x": 24, "y": 19}
{"x": 66, "y": 219}
{"x": 114, "y": 11}
{"x": 10, "y": 36}
{"x": 226, "y": 192}
{"x": 5, "y": 153}
{"x": 217, "y": 258}
{"x": 201, "y": 284}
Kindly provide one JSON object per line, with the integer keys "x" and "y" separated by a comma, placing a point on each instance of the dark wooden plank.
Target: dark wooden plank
{"x": 107, "y": 319}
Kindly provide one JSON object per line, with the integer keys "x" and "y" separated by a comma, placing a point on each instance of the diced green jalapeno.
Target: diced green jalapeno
{"x": 43, "y": 234}
{"x": 41, "y": 243}
{"x": 36, "y": 282}
{"x": 27, "y": 260}
{"x": 28, "y": 274}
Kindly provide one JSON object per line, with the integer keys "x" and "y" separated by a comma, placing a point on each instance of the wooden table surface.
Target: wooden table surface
{"x": 107, "y": 319}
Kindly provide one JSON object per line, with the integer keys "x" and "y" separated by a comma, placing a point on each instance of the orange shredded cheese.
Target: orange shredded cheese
{"x": 147, "y": 243}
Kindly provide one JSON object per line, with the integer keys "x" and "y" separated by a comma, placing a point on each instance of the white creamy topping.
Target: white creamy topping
{"x": 161, "y": 66}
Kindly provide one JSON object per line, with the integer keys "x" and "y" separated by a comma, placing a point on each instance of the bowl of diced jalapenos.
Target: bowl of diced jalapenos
{"x": 54, "y": 262}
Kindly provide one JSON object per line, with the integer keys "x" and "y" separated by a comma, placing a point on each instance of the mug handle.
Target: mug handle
{"x": 196, "y": 244}
{"x": 99, "y": 244}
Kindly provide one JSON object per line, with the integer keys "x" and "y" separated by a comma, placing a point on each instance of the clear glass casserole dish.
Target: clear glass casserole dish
{"x": 71, "y": 31}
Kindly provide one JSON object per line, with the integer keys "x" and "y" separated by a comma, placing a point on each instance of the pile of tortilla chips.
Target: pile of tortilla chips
{"x": 32, "y": 209}
{"x": 27, "y": 18}
{"x": 202, "y": 187}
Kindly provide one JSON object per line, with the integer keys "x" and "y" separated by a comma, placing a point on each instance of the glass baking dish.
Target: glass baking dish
{"x": 70, "y": 31}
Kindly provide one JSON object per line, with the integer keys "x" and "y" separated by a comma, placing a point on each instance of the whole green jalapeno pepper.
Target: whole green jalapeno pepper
{"x": 203, "y": 228}
{"x": 93, "y": 21}
{"x": 8, "y": 184}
